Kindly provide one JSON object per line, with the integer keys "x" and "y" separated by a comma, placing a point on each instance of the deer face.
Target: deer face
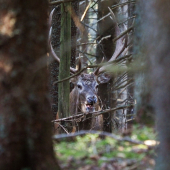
{"x": 86, "y": 86}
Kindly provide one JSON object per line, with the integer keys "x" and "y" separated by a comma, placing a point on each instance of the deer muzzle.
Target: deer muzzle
{"x": 91, "y": 101}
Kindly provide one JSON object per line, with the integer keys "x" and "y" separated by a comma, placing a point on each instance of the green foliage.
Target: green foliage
{"x": 91, "y": 148}
{"x": 143, "y": 133}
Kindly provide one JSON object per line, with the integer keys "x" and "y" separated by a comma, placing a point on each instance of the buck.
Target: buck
{"x": 84, "y": 97}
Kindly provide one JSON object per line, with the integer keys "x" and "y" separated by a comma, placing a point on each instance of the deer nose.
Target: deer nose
{"x": 92, "y": 100}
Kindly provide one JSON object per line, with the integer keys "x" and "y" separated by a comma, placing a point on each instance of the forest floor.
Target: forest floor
{"x": 91, "y": 152}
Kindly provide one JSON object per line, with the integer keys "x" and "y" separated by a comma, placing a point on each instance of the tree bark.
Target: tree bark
{"x": 25, "y": 129}
{"x": 64, "y": 67}
{"x": 105, "y": 49}
{"x": 155, "y": 35}
{"x": 142, "y": 91}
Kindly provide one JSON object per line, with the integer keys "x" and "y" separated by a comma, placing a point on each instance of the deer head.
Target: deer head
{"x": 86, "y": 89}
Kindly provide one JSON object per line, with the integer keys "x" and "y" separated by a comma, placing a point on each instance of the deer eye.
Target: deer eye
{"x": 79, "y": 86}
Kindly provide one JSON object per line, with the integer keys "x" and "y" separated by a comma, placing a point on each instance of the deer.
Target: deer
{"x": 84, "y": 96}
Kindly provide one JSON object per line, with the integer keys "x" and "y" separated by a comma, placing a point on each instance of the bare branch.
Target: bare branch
{"x": 89, "y": 43}
{"x": 102, "y": 18}
{"x": 63, "y": 128}
{"x": 97, "y": 113}
{"x": 122, "y": 34}
{"x": 122, "y": 4}
{"x": 93, "y": 66}
{"x": 103, "y": 38}
{"x": 127, "y": 20}
{"x": 78, "y": 73}
{"x": 58, "y": 2}
{"x": 101, "y": 134}
{"x": 88, "y": 6}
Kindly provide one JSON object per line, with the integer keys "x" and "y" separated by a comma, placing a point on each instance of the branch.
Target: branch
{"x": 103, "y": 38}
{"x": 101, "y": 134}
{"x": 123, "y": 33}
{"x": 111, "y": 110}
{"x": 124, "y": 85}
{"x": 63, "y": 128}
{"x": 102, "y": 18}
{"x": 93, "y": 66}
{"x": 88, "y": 6}
{"x": 97, "y": 113}
{"x": 58, "y": 2}
{"x": 127, "y": 20}
{"x": 88, "y": 26}
{"x": 122, "y": 4}
{"x": 90, "y": 66}
{"x": 86, "y": 43}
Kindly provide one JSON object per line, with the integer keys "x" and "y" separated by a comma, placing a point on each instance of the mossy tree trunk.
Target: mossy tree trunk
{"x": 25, "y": 128}
{"x": 65, "y": 55}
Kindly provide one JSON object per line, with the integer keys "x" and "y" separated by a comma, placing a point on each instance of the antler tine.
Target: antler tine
{"x": 72, "y": 70}
{"x": 119, "y": 43}
{"x": 96, "y": 72}
{"x": 50, "y": 17}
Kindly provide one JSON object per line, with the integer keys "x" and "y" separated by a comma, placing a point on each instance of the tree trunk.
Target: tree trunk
{"x": 142, "y": 90}
{"x": 105, "y": 49}
{"x": 25, "y": 129}
{"x": 65, "y": 55}
{"x": 64, "y": 67}
{"x": 155, "y": 35}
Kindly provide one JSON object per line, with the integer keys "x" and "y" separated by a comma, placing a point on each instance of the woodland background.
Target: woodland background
{"x": 140, "y": 79}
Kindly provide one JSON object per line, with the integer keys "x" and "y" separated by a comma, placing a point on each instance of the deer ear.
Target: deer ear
{"x": 103, "y": 78}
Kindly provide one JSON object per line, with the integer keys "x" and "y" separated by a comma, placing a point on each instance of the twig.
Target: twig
{"x": 130, "y": 120}
{"x": 88, "y": 26}
{"x": 127, "y": 20}
{"x": 122, "y": 4}
{"x": 63, "y": 128}
{"x": 111, "y": 110}
{"x": 88, "y": 6}
{"x": 123, "y": 33}
{"x": 102, "y": 18}
{"x": 103, "y": 38}
{"x": 86, "y": 43}
{"x": 127, "y": 81}
{"x": 86, "y": 53}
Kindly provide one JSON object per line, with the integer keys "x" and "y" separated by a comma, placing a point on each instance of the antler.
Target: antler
{"x": 120, "y": 46}
{"x": 72, "y": 70}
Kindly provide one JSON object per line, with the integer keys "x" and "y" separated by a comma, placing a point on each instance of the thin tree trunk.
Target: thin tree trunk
{"x": 25, "y": 129}
{"x": 65, "y": 55}
{"x": 105, "y": 49}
